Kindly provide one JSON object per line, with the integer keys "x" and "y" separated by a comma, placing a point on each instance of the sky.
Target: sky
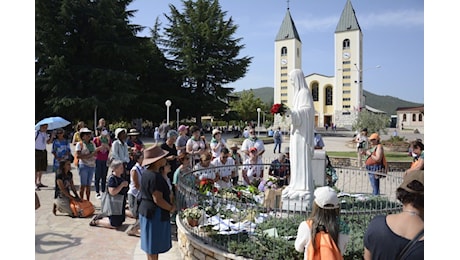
{"x": 393, "y": 37}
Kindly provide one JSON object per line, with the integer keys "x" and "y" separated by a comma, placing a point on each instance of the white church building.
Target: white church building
{"x": 337, "y": 98}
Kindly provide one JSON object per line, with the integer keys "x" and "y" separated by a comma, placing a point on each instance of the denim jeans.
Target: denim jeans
{"x": 375, "y": 182}
{"x": 100, "y": 175}
{"x": 86, "y": 174}
{"x": 277, "y": 145}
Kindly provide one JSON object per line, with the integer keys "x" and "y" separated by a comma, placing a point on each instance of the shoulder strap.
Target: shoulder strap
{"x": 36, "y": 136}
{"x": 138, "y": 169}
{"x": 409, "y": 245}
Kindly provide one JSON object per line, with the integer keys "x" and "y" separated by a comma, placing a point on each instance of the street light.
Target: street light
{"x": 258, "y": 120}
{"x": 177, "y": 112}
{"x": 168, "y": 104}
{"x": 359, "y": 81}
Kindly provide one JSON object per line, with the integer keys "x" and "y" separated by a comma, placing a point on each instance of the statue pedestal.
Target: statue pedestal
{"x": 298, "y": 204}
{"x": 318, "y": 166}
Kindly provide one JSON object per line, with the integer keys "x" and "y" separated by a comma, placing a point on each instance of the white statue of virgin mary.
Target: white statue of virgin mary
{"x": 301, "y": 141}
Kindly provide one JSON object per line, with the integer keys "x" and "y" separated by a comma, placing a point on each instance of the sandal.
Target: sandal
{"x": 54, "y": 209}
{"x": 93, "y": 222}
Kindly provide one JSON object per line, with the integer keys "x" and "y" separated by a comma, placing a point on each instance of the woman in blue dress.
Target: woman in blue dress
{"x": 156, "y": 204}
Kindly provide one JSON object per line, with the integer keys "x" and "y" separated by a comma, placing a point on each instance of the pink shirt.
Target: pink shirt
{"x": 102, "y": 155}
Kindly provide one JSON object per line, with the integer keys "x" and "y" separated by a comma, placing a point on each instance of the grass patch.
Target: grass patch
{"x": 391, "y": 156}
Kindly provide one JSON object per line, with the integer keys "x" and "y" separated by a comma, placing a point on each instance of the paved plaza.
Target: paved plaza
{"x": 62, "y": 237}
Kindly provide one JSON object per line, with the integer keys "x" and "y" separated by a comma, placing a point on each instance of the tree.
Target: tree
{"x": 373, "y": 122}
{"x": 88, "y": 56}
{"x": 247, "y": 104}
{"x": 203, "y": 51}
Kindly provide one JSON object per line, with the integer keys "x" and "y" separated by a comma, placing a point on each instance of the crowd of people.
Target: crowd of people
{"x": 147, "y": 178}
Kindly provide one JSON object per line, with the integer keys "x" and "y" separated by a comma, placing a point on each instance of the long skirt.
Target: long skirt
{"x": 155, "y": 234}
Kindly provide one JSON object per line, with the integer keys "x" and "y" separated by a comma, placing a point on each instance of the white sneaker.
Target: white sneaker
{"x": 98, "y": 196}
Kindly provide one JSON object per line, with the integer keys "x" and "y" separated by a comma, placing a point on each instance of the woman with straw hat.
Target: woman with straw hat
{"x": 156, "y": 205}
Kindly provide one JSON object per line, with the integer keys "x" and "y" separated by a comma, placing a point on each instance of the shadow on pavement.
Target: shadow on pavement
{"x": 51, "y": 242}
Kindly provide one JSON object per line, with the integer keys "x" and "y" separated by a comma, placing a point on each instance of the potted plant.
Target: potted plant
{"x": 193, "y": 214}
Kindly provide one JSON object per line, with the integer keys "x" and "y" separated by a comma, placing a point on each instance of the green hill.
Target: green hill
{"x": 384, "y": 103}
{"x": 388, "y": 104}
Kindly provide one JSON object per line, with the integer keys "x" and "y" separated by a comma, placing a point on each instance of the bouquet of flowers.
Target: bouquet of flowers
{"x": 278, "y": 109}
{"x": 194, "y": 212}
{"x": 270, "y": 183}
{"x": 207, "y": 186}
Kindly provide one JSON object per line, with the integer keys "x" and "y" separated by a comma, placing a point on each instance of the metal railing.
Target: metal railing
{"x": 358, "y": 207}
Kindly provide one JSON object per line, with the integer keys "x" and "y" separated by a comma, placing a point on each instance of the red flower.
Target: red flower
{"x": 278, "y": 109}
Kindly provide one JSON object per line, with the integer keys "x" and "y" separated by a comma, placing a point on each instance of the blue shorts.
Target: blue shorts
{"x": 86, "y": 174}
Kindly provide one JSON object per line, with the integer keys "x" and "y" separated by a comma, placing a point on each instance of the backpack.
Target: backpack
{"x": 277, "y": 134}
{"x": 326, "y": 247}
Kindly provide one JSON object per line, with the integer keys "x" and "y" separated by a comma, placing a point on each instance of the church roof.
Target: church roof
{"x": 375, "y": 110}
{"x": 287, "y": 29}
{"x": 348, "y": 21}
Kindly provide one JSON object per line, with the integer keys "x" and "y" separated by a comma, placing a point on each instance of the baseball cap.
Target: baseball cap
{"x": 410, "y": 177}
{"x": 326, "y": 196}
{"x": 182, "y": 128}
{"x": 252, "y": 149}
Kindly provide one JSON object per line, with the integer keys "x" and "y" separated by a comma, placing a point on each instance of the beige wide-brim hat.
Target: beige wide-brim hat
{"x": 118, "y": 131}
{"x": 133, "y": 132}
{"x": 234, "y": 146}
{"x": 85, "y": 130}
{"x": 153, "y": 154}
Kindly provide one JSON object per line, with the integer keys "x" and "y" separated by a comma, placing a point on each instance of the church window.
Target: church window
{"x": 346, "y": 44}
{"x": 283, "y": 51}
{"x": 414, "y": 117}
{"x": 314, "y": 91}
{"x": 420, "y": 117}
{"x": 404, "y": 118}
{"x": 328, "y": 96}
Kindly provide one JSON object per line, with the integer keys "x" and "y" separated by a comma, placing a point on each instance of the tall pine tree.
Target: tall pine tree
{"x": 204, "y": 52}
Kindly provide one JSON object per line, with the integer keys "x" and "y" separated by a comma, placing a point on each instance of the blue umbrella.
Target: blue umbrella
{"x": 53, "y": 122}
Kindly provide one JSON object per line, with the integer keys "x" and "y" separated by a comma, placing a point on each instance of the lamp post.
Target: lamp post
{"x": 177, "y": 113}
{"x": 168, "y": 104}
{"x": 258, "y": 120}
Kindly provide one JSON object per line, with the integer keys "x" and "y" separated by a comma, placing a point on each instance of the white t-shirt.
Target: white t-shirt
{"x": 248, "y": 143}
{"x": 253, "y": 171}
{"x": 204, "y": 172}
{"x": 361, "y": 138}
{"x": 224, "y": 171}
{"x": 214, "y": 143}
